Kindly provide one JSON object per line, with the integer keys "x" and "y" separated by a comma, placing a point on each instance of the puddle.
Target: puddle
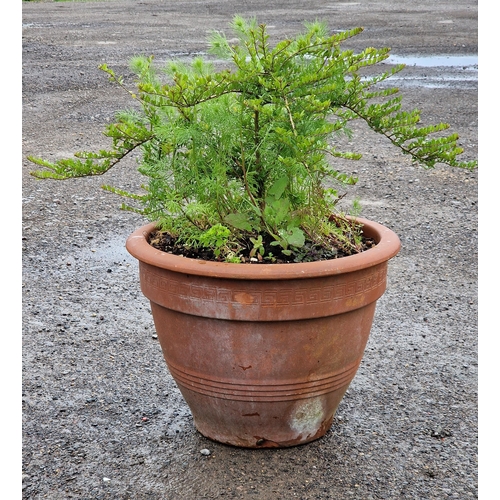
{"x": 435, "y": 61}
{"x": 35, "y": 25}
{"x": 437, "y": 71}
{"x": 112, "y": 251}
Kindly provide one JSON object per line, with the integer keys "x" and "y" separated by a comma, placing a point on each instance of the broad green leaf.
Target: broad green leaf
{"x": 278, "y": 187}
{"x": 296, "y": 237}
{"x": 239, "y": 221}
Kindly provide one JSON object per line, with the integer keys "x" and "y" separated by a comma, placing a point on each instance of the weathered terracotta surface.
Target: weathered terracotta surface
{"x": 263, "y": 353}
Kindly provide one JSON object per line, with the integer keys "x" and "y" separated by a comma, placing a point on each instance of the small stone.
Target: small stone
{"x": 106, "y": 479}
{"x": 205, "y": 452}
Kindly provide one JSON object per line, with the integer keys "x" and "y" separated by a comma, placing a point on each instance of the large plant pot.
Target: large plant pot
{"x": 263, "y": 353}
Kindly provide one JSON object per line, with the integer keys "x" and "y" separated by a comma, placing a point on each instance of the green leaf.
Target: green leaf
{"x": 239, "y": 221}
{"x": 277, "y": 211}
{"x": 278, "y": 187}
{"x": 296, "y": 237}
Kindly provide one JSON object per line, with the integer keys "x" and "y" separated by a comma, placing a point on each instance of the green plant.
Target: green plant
{"x": 243, "y": 159}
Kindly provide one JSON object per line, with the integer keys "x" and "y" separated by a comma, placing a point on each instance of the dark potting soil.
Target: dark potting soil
{"x": 310, "y": 252}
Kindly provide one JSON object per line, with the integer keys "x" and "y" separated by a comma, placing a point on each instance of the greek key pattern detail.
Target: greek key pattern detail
{"x": 281, "y": 297}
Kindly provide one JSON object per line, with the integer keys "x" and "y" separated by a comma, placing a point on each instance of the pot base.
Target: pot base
{"x": 271, "y": 425}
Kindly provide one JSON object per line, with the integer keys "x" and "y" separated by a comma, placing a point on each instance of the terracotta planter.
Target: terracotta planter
{"x": 263, "y": 354}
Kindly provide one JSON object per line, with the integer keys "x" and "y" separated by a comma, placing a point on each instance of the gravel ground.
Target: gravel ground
{"x": 102, "y": 417}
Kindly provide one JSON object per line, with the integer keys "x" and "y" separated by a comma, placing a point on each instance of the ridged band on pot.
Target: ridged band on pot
{"x": 263, "y": 353}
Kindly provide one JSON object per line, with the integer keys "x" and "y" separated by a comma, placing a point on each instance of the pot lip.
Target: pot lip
{"x": 388, "y": 245}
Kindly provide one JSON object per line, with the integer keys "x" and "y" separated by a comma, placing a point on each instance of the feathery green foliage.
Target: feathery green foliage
{"x": 245, "y": 154}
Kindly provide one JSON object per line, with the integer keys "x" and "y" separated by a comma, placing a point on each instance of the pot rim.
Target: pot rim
{"x": 388, "y": 245}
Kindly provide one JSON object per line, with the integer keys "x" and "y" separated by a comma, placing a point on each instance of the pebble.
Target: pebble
{"x": 205, "y": 452}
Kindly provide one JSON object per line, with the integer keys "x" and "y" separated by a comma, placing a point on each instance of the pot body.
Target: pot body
{"x": 263, "y": 353}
